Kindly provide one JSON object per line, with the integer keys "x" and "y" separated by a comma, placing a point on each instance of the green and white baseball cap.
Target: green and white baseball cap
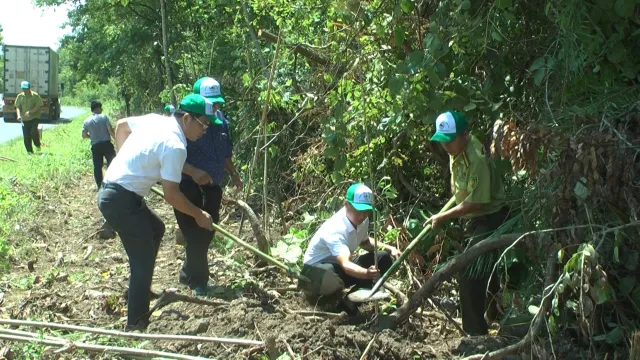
{"x": 449, "y": 125}
{"x": 169, "y": 108}
{"x": 360, "y": 196}
{"x": 209, "y": 88}
{"x": 25, "y": 85}
{"x": 197, "y": 104}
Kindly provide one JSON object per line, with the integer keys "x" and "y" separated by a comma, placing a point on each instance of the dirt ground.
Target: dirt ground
{"x": 63, "y": 272}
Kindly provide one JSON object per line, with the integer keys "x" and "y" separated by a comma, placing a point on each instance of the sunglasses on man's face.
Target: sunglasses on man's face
{"x": 204, "y": 125}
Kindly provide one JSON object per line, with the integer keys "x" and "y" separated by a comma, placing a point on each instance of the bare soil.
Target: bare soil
{"x": 63, "y": 272}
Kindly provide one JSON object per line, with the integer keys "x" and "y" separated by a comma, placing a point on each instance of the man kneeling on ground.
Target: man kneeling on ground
{"x": 328, "y": 263}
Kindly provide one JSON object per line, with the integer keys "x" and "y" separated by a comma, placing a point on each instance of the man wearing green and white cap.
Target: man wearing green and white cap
{"x": 151, "y": 148}
{"x": 480, "y": 200}
{"x": 28, "y": 107}
{"x": 328, "y": 260}
{"x": 208, "y": 159}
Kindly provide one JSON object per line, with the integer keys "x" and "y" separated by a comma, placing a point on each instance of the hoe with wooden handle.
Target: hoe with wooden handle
{"x": 292, "y": 272}
{"x": 364, "y": 295}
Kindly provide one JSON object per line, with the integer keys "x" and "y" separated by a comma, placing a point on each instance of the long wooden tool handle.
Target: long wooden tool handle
{"x": 251, "y": 248}
{"x": 408, "y": 250}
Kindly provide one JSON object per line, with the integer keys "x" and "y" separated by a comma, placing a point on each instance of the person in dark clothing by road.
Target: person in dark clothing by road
{"x": 207, "y": 160}
{"x": 28, "y": 109}
{"x": 98, "y": 128}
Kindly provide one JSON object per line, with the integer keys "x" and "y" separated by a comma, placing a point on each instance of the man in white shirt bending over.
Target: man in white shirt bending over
{"x": 151, "y": 148}
{"x": 328, "y": 261}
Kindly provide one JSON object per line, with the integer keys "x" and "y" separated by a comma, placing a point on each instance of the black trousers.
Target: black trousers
{"x": 195, "y": 269}
{"x": 101, "y": 151}
{"x": 140, "y": 230}
{"x": 30, "y": 133}
{"x": 474, "y": 298}
{"x": 328, "y": 278}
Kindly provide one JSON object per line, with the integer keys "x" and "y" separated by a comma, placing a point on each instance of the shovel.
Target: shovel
{"x": 368, "y": 295}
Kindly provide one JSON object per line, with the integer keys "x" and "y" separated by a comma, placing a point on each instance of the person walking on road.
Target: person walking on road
{"x": 28, "y": 107}
{"x": 98, "y": 128}
{"x": 328, "y": 261}
{"x": 480, "y": 200}
{"x": 207, "y": 160}
{"x": 151, "y": 148}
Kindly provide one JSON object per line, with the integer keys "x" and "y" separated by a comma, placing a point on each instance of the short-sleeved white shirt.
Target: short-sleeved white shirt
{"x": 156, "y": 149}
{"x": 336, "y": 235}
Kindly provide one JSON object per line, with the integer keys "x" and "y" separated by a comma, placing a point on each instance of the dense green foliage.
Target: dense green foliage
{"x": 561, "y": 76}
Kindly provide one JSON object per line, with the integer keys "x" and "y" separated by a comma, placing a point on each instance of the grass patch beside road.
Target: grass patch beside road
{"x": 30, "y": 178}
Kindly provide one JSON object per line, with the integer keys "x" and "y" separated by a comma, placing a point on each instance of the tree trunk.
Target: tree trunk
{"x": 254, "y": 36}
{"x": 127, "y": 103}
{"x": 165, "y": 49}
{"x": 261, "y": 239}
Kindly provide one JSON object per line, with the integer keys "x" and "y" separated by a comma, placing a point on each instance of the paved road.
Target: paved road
{"x": 13, "y": 130}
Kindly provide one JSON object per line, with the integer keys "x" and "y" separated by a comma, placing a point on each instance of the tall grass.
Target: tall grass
{"x": 65, "y": 155}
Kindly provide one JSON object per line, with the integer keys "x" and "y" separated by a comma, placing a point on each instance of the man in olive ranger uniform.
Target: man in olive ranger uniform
{"x": 28, "y": 108}
{"x": 480, "y": 200}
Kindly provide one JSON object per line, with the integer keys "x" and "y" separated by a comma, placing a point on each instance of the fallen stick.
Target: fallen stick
{"x": 262, "y": 270}
{"x": 369, "y": 347}
{"x": 116, "y": 333}
{"x": 168, "y": 297}
{"x": 433, "y": 314}
{"x": 289, "y": 350}
{"x": 2, "y": 157}
{"x": 101, "y": 348}
{"x": 318, "y": 313}
{"x": 29, "y": 334}
{"x": 539, "y": 319}
{"x": 284, "y": 290}
{"x": 448, "y": 317}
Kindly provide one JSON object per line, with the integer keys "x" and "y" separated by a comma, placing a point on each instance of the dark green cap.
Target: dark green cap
{"x": 198, "y": 104}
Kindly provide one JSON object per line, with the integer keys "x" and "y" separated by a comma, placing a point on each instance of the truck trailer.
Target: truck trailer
{"x": 37, "y": 65}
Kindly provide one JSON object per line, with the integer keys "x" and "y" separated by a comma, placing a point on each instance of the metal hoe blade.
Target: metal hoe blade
{"x": 365, "y": 295}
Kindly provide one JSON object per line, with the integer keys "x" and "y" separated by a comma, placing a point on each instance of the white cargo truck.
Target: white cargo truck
{"x": 37, "y": 65}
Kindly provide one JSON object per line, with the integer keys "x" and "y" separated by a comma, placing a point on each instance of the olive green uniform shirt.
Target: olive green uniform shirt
{"x": 26, "y": 102}
{"x": 475, "y": 180}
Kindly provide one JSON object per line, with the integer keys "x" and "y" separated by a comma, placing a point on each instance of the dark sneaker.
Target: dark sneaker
{"x": 201, "y": 291}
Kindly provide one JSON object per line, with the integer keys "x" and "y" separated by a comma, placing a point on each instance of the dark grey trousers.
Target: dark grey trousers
{"x": 195, "y": 269}
{"x": 328, "y": 278}
{"x": 474, "y": 298}
{"x": 140, "y": 230}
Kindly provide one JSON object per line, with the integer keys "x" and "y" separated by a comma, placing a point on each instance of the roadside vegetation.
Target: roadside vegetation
{"x": 552, "y": 88}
